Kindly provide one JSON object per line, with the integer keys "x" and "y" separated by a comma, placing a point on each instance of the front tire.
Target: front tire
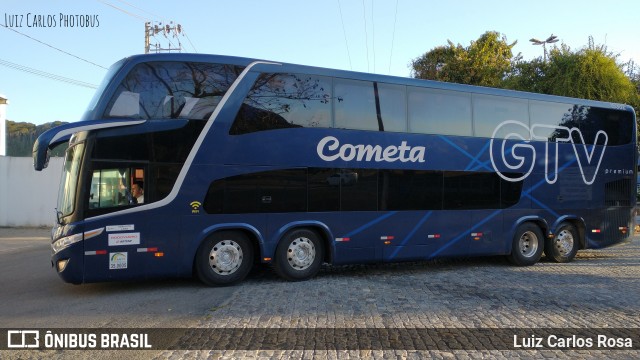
{"x": 528, "y": 243}
{"x": 224, "y": 258}
{"x": 299, "y": 255}
{"x": 564, "y": 245}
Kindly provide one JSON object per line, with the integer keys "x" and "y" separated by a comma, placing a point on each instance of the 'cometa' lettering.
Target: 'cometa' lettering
{"x": 329, "y": 149}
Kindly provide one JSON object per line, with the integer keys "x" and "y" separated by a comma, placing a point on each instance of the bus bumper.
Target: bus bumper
{"x": 68, "y": 263}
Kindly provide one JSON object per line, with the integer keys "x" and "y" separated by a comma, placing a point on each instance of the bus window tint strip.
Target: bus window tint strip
{"x": 279, "y": 101}
{"x": 326, "y": 189}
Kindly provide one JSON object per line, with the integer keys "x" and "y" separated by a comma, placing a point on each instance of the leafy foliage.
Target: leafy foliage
{"x": 484, "y": 62}
{"x": 592, "y": 72}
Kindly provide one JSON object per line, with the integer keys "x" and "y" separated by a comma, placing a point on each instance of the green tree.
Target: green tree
{"x": 632, "y": 70}
{"x": 592, "y": 73}
{"x": 485, "y": 62}
{"x": 22, "y": 135}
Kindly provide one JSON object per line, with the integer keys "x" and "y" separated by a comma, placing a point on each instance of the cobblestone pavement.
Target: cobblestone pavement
{"x": 600, "y": 289}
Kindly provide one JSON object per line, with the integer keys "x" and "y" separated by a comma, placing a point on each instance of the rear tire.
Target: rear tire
{"x": 564, "y": 245}
{"x": 527, "y": 246}
{"x": 224, "y": 258}
{"x": 299, "y": 255}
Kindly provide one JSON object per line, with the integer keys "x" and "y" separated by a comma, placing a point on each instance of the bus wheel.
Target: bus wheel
{"x": 299, "y": 255}
{"x": 564, "y": 246}
{"x": 527, "y": 245}
{"x": 224, "y": 258}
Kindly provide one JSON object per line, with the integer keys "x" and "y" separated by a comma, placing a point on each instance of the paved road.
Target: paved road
{"x": 32, "y": 295}
{"x": 598, "y": 290}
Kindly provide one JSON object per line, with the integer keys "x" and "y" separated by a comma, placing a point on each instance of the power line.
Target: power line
{"x": 366, "y": 35}
{"x": 53, "y": 47}
{"x": 393, "y": 36}
{"x": 144, "y": 11}
{"x": 47, "y": 75}
{"x": 124, "y": 11}
{"x": 194, "y": 48}
{"x": 373, "y": 37}
{"x": 344, "y": 32}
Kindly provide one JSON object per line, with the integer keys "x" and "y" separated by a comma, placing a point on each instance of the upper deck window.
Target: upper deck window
{"x": 279, "y": 101}
{"x": 356, "y": 105}
{"x": 434, "y": 111}
{"x": 490, "y": 111}
{"x": 172, "y": 90}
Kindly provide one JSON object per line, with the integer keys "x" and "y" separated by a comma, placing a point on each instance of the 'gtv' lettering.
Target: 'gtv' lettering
{"x": 521, "y": 157}
{"x": 329, "y": 149}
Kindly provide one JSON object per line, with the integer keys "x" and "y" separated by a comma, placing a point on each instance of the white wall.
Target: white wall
{"x": 28, "y": 197}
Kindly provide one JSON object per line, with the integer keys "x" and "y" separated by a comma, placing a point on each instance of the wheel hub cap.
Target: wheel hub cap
{"x": 225, "y": 257}
{"x": 528, "y": 244}
{"x": 301, "y": 253}
{"x": 564, "y": 242}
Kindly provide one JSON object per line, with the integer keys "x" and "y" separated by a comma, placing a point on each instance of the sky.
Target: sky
{"x": 378, "y": 36}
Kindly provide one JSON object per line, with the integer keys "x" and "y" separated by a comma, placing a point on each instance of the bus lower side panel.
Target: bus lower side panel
{"x": 359, "y": 237}
{"x": 349, "y": 237}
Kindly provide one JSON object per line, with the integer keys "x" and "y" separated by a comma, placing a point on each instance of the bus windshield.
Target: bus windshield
{"x": 69, "y": 181}
{"x": 113, "y": 70}
{"x": 171, "y": 90}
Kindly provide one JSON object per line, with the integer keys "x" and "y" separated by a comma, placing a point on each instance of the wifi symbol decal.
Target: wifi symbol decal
{"x": 195, "y": 207}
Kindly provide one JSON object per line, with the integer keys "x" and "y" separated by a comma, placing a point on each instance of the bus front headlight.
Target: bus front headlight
{"x": 65, "y": 242}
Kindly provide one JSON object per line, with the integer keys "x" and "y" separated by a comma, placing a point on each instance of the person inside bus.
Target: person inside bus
{"x": 137, "y": 190}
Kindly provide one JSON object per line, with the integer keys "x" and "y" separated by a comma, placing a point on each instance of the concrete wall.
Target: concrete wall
{"x": 28, "y": 197}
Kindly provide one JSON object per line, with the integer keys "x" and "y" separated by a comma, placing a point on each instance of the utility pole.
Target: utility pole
{"x": 168, "y": 30}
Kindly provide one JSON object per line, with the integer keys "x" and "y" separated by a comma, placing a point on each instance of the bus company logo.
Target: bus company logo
{"x": 330, "y": 149}
{"x": 23, "y": 339}
{"x": 521, "y": 157}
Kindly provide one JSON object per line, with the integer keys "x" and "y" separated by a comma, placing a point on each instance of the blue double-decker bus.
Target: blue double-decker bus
{"x": 199, "y": 164}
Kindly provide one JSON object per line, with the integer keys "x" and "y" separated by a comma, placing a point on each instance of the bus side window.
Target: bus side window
{"x": 281, "y": 101}
{"x": 107, "y": 188}
{"x": 355, "y": 106}
{"x": 432, "y": 111}
{"x": 115, "y": 187}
